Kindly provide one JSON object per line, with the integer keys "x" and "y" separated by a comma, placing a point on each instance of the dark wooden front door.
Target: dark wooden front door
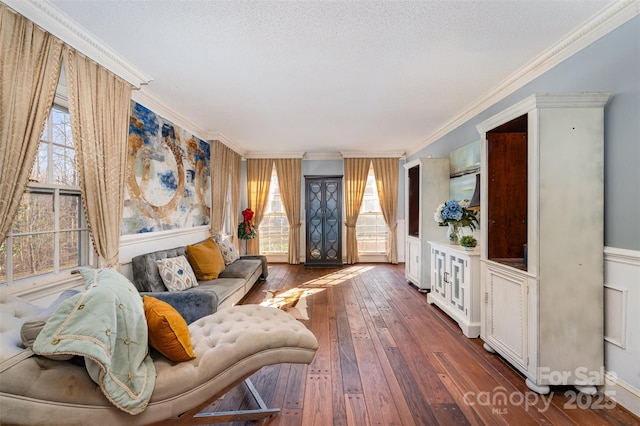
{"x": 323, "y": 220}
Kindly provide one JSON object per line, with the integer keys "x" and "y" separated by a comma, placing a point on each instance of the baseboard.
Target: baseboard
{"x": 622, "y": 393}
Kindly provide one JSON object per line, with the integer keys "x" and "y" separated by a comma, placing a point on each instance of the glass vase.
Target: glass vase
{"x": 454, "y": 233}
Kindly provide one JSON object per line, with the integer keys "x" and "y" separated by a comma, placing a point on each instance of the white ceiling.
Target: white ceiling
{"x": 326, "y": 76}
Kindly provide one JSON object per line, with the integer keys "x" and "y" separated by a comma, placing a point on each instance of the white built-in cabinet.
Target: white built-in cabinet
{"x": 542, "y": 238}
{"x": 426, "y": 186}
{"x": 455, "y": 284}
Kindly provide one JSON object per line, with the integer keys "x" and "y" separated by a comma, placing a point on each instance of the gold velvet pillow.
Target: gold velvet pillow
{"x": 206, "y": 259}
{"x": 168, "y": 331}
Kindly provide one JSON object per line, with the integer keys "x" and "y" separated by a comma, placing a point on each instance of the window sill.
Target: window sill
{"x": 50, "y": 285}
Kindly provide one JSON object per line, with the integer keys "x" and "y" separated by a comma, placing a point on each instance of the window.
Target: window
{"x": 371, "y": 229}
{"x": 274, "y": 228}
{"x": 49, "y": 233}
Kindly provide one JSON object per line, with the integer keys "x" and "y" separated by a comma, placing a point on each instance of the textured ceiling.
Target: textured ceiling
{"x": 323, "y": 77}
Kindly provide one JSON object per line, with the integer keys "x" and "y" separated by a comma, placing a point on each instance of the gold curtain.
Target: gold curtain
{"x": 220, "y": 172}
{"x": 386, "y": 171}
{"x": 99, "y": 105}
{"x": 356, "y": 171}
{"x": 290, "y": 180}
{"x": 29, "y": 70}
{"x": 236, "y": 174}
{"x": 258, "y": 181}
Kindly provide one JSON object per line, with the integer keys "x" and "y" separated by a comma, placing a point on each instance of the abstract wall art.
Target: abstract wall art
{"x": 167, "y": 184}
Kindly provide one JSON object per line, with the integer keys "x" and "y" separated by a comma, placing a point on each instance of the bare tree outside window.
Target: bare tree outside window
{"x": 49, "y": 233}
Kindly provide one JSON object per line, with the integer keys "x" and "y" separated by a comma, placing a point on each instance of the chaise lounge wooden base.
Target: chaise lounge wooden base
{"x": 230, "y": 345}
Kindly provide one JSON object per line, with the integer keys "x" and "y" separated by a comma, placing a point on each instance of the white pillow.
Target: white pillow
{"x": 229, "y": 252}
{"x": 176, "y": 273}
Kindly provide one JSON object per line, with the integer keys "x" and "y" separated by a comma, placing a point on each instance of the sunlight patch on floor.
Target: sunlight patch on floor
{"x": 294, "y": 300}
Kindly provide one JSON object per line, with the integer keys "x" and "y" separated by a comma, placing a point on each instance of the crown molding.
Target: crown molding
{"x": 609, "y": 18}
{"x": 322, "y": 156}
{"x": 273, "y": 154}
{"x": 54, "y": 21}
{"x": 368, "y": 154}
{"x": 150, "y": 101}
{"x": 222, "y": 138}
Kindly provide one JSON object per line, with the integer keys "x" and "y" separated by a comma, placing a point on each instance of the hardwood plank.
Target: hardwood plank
{"x": 318, "y": 409}
{"x": 339, "y": 408}
{"x": 356, "y": 410}
{"x": 388, "y": 357}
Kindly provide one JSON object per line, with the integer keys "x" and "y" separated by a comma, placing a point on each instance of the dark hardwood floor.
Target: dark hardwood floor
{"x": 387, "y": 357}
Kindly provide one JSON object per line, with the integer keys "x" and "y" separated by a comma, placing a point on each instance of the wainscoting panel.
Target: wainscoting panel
{"x": 622, "y": 326}
{"x": 615, "y": 315}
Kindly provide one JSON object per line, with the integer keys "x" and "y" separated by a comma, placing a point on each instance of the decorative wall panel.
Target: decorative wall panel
{"x": 168, "y": 183}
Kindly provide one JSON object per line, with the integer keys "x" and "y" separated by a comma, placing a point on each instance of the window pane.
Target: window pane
{"x": 32, "y": 255}
{"x": 69, "y": 249}
{"x": 61, "y": 125}
{"x": 39, "y": 170}
{"x": 64, "y": 166}
{"x": 55, "y": 202}
{"x": 371, "y": 231}
{"x": 274, "y": 228}
{"x": 35, "y": 213}
{"x": 70, "y": 211}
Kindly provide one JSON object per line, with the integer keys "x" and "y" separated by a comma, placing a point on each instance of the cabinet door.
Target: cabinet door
{"x": 412, "y": 263}
{"x": 458, "y": 271}
{"x": 439, "y": 277}
{"x": 507, "y": 322}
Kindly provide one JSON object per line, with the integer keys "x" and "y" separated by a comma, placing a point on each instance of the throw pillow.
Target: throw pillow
{"x": 206, "y": 259}
{"x": 168, "y": 331}
{"x": 228, "y": 251}
{"x": 176, "y": 273}
{"x": 32, "y": 327}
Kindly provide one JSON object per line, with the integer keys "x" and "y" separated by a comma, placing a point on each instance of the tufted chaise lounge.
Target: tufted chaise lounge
{"x": 230, "y": 345}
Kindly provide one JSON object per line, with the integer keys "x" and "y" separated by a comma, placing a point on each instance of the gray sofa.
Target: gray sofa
{"x": 229, "y": 288}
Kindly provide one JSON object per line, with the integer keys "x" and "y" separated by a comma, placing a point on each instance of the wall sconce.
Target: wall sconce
{"x": 474, "y": 204}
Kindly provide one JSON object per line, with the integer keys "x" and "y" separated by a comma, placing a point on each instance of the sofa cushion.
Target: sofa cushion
{"x": 176, "y": 273}
{"x": 205, "y": 259}
{"x": 168, "y": 331}
{"x": 223, "y": 287}
{"x": 241, "y": 268}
